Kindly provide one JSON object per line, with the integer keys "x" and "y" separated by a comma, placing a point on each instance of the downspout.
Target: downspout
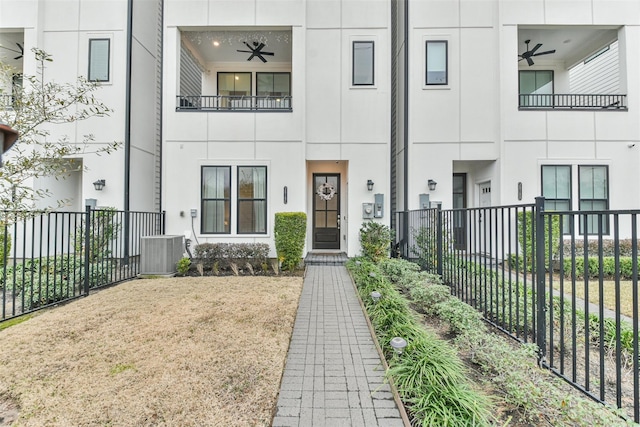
{"x": 161, "y": 112}
{"x": 127, "y": 130}
{"x": 405, "y": 120}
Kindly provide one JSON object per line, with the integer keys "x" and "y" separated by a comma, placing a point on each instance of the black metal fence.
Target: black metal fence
{"x": 564, "y": 280}
{"x": 49, "y": 257}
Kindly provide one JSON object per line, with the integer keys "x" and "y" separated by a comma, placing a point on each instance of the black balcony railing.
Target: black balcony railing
{"x": 570, "y": 101}
{"x": 7, "y": 101}
{"x": 232, "y": 103}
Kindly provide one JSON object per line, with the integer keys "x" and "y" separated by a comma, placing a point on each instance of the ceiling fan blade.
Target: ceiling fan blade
{"x": 244, "y": 51}
{"x": 530, "y": 61}
{"x": 260, "y": 46}
{"x": 267, "y": 53}
{"x": 261, "y": 58}
{"x": 538, "y": 46}
{"x": 545, "y": 53}
{"x": 18, "y": 57}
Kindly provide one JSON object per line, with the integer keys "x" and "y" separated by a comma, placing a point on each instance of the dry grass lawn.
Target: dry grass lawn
{"x": 164, "y": 352}
{"x": 609, "y": 293}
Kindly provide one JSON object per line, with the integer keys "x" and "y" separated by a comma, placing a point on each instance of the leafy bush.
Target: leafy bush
{"x": 223, "y": 255}
{"x": 525, "y": 223}
{"x": 5, "y": 243}
{"x": 103, "y": 230}
{"x": 608, "y": 267}
{"x": 608, "y": 247}
{"x": 375, "y": 239}
{"x": 43, "y": 281}
{"x": 183, "y": 265}
{"x": 290, "y": 229}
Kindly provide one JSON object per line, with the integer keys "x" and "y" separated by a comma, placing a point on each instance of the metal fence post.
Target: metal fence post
{"x": 163, "y": 220}
{"x": 439, "y": 241}
{"x": 87, "y": 248}
{"x": 541, "y": 329}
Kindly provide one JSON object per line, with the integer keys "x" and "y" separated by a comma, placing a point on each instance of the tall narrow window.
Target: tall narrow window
{"x": 252, "y": 199}
{"x": 216, "y": 199}
{"x": 556, "y": 190}
{"x": 436, "y": 62}
{"x": 99, "y": 60}
{"x": 594, "y": 196}
{"x": 363, "y": 63}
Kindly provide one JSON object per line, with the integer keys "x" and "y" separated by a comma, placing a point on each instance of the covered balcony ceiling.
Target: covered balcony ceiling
{"x": 572, "y": 44}
{"x": 221, "y": 44}
{"x": 11, "y": 48}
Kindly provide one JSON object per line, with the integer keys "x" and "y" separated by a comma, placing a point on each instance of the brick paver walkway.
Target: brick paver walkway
{"x": 333, "y": 375}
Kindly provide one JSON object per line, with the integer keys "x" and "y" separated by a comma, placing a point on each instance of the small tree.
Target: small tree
{"x": 34, "y": 107}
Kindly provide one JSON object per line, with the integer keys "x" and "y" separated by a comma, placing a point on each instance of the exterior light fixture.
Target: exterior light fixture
{"x": 369, "y": 185}
{"x": 99, "y": 184}
{"x": 432, "y": 185}
{"x": 398, "y": 345}
{"x": 375, "y": 296}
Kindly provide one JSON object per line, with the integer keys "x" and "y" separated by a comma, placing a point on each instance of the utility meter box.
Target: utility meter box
{"x": 367, "y": 211}
{"x": 378, "y": 206}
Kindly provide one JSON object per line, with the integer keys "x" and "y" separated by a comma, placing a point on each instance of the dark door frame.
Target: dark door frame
{"x": 329, "y": 236}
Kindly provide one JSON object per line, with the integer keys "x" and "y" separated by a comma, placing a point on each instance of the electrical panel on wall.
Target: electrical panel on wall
{"x": 378, "y": 207}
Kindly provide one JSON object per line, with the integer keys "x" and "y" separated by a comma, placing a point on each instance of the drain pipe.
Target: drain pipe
{"x": 127, "y": 131}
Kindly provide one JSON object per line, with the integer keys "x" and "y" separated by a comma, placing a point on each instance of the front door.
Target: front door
{"x": 459, "y": 216}
{"x": 326, "y": 211}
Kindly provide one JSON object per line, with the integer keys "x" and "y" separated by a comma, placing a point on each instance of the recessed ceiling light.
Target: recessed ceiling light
{"x": 216, "y": 43}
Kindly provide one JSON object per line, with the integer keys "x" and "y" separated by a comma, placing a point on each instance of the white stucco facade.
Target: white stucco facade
{"x": 475, "y": 135}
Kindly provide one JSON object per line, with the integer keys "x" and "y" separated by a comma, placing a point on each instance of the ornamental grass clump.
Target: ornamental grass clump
{"x": 430, "y": 377}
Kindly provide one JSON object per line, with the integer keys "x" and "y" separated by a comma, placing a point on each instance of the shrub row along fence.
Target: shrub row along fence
{"x": 564, "y": 280}
{"x": 49, "y": 257}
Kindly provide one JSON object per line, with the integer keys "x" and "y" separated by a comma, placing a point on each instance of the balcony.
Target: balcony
{"x": 558, "y": 101}
{"x": 245, "y": 103}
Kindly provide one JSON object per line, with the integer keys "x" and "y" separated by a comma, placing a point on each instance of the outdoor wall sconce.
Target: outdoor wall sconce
{"x": 369, "y": 185}
{"x": 398, "y": 345}
{"x": 375, "y": 296}
{"x": 99, "y": 184}
{"x": 432, "y": 185}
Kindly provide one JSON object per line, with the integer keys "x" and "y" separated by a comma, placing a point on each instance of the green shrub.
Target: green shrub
{"x": 5, "y": 243}
{"x": 526, "y": 239}
{"x": 183, "y": 265}
{"x": 608, "y": 267}
{"x": 375, "y": 239}
{"x": 222, "y": 255}
{"x": 290, "y": 229}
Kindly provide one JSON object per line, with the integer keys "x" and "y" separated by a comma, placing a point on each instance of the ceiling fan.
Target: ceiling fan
{"x": 528, "y": 54}
{"x": 256, "y": 51}
{"x": 20, "y": 52}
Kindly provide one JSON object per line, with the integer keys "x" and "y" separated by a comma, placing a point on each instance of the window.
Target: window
{"x": 536, "y": 88}
{"x": 594, "y": 196}
{"x": 99, "y": 60}
{"x": 363, "y": 63}
{"x": 252, "y": 199}
{"x": 216, "y": 199}
{"x": 556, "y": 189}
{"x": 273, "y": 84}
{"x": 234, "y": 84}
{"x": 436, "y": 62}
